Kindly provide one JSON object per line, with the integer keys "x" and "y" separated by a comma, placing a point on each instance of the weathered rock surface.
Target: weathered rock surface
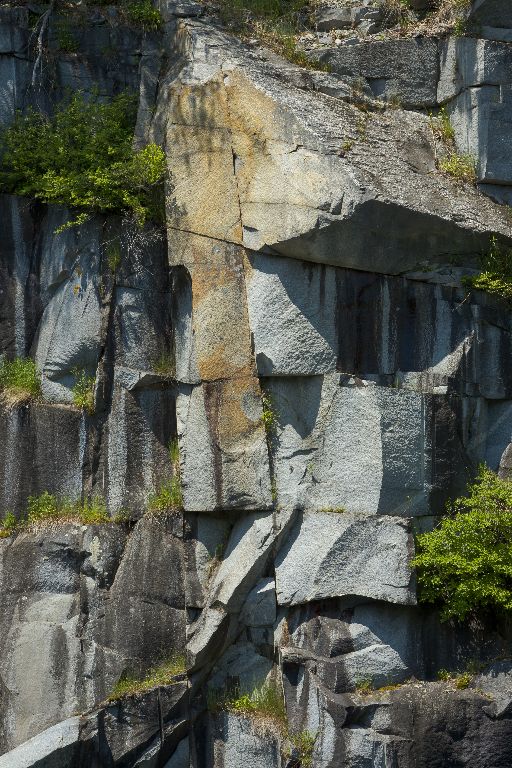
{"x": 301, "y": 326}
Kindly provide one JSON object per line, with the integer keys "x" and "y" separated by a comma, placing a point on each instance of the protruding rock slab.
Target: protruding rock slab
{"x": 337, "y": 554}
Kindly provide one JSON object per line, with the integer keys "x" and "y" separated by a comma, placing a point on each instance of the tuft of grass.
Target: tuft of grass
{"x": 113, "y": 253}
{"x": 265, "y": 702}
{"x": 333, "y": 510}
{"x": 165, "y": 365}
{"x": 20, "y": 381}
{"x": 461, "y": 680}
{"x": 364, "y": 687}
{"x": 461, "y": 167}
{"x": 169, "y": 497}
{"x": 496, "y": 277}
{"x": 304, "y": 743}
{"x": 442, "y": 127}
{"x": 163, "y": 673}
{"x": 83, "y": 390}
{"x": 48, "y": 508}
{"x": 268, "y": 416}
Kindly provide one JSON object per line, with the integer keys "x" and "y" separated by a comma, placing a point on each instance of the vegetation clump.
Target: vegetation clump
{"x": 461, "y": 167}
{"x": 163, "y": 673}
{"x": 496, "y": 277}
{"x": 82, "y": 157}
{"x": 20, "y": 381}
{"x": 264, "y": 703}
{"x": 465, "y": 564}
{"x": 48, "y": 509}
{"x": 169, "y": 497}
{"x": 461, "y": 680}
{"x": 141, "y": 13}
{"x": 304, "y": 743}
{"x": 83, "y": 391}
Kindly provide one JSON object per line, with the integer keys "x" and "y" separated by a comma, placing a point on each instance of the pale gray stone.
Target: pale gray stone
{"x": 243, "y": 745}
{"x": 334, "y": 18}
{"x": 337, "y": 554}
{"x": 260, "y": 606}
{"x": 494, "y": 13}
{"x": 240, "y": 667}
{"x": 405, "y": 70}
{"x": 53, "y": 748}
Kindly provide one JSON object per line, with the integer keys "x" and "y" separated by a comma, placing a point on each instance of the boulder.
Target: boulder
{"x": 345, "y": 555}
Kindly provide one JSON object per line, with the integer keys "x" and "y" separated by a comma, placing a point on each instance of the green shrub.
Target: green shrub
{"x": 83, "y": 390}
{"x": 268, "y": 415}
{"x": 163, "y": 673}
{"x": 141, "y": 13}
{"x": 496, "y": 277}
{"x": 461, "y": 680}
{"x": 20, "y": 381}
{"x": 465, "y": 564}
{"x": 83, "y": 158}
{"x": 461, "y": 167}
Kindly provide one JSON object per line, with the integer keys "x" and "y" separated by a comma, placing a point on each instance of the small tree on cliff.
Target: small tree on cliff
{"x": 465, "y": 564}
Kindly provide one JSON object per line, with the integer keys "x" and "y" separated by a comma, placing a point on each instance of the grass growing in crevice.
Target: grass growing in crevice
{"x": 83, "y": 390}
{"x": 304, "y": 744}
{"x": 461, "y": 680}
{"x": 168, "y": 498}
{"x": 163, "y": 673}
{"x": 20, "y": 381}
{"x": 141, "y": 13}
{"x": 496, "y": 275}
{"x": 263, "y": 704}
{"x": 165, "y": 365}
{"x": 48, "y": 509}
{"x": 460, "y": 167}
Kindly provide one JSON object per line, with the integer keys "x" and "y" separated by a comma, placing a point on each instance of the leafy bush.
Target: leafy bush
{"x": 20, "y": 380}
{"x": 497, "y": 275}
{"x": 465, "y": 564}
{"x": 82, "y": 157}
{"x": 461, "y": 680}
{"x": 142, "y": 14}
{"x": 161, "y": 674}
{"x": 83, "y": 390}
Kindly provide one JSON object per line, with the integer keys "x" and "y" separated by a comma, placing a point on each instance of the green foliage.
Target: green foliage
{"x": 20, "y": 381}
{"x": 174, "y": 454}
{"x": 65, "y": 39}
{"x": 168, "y": 498}
{"x": 8, "y": 525}
{"x": 268, "y": 415}
{"x": 364, "y": 687}
{"x": 444, "y": 126}
{"x": 461, "y": 680}
{"x": 113, "y": 253}
{"x": 333, "y": 510}
{"x": 265, "y": 701}
{"x": 48, "y": 509}
{"x": 496, "y": 277}
{"x": 461, "y": 167}
{"x": 163, "y": 673}
{"x": 465, "y": 564}
{"x": 304, "y": 743}
{"x": 142, "y": 14}
{"x": 83, "y": 390}
{"x": 82, "y": 157}
{"x": 165, "y": 365}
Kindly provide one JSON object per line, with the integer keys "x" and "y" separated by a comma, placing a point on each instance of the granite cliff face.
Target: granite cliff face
{"x": 332, "y": 386}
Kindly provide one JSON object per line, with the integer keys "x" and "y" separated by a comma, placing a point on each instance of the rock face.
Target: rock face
{"x": 300, "y": 332}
